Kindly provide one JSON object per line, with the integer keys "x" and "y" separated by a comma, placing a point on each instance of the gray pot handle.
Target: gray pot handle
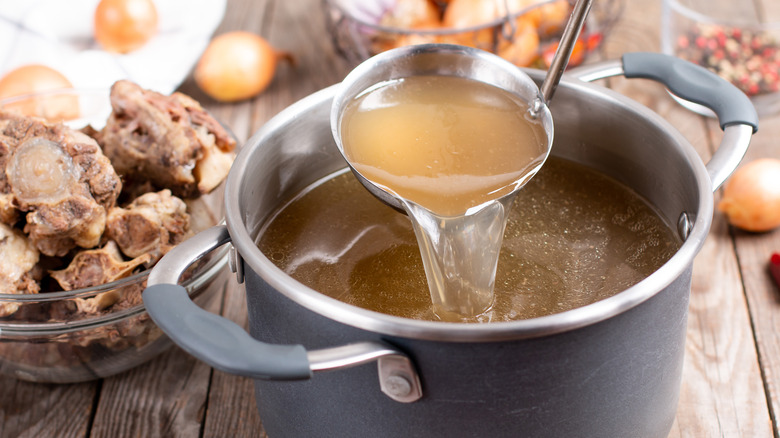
{"x": 736, "y": 114}
{"x": 224, "y": 345}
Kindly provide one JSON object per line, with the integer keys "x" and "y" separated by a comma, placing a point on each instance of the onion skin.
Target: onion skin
{"x": 412, "y": 14}
{"x": 751, "y": 197}
{"x": 413, "y": 39}
{"x": 36, "y": 78}
{"x": 124, "y": 25}
{"x": 551, "y": 17}
{"x": 236, "y": 66}
{"x": 470, "y": 13}
{"x": 525, "y": 46}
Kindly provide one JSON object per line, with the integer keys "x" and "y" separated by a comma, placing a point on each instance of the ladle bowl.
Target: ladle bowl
{"x": 434, "y": 60}
{"x": 460, "y": 249}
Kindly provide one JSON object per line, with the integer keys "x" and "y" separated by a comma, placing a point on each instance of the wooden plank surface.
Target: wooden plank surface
{"x": 732, "y": 363}
{"x": 34, "y": 410}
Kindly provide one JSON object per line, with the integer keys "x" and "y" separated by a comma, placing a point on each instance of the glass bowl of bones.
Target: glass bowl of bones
{"x": 96, "y": 186}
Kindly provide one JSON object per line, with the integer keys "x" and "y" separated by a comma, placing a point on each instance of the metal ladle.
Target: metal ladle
{"x": 561, "y": 59}
{"x": 460, "y": 252}
{"x": 444, "y": 59}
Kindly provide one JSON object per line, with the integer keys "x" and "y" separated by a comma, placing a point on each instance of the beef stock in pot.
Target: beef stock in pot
{"x": 574, "y": 237}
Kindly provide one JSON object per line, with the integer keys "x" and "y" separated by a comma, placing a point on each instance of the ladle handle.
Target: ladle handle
{"x": 563, "y": 53}
{"x": 736, "y": 114}
{"x": 226, "y": 346}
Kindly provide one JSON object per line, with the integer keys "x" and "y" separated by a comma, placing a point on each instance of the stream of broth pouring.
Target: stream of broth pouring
{"x": 455, "y": 150}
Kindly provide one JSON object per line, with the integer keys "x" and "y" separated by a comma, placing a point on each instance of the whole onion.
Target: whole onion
{"x": 236, "y": 66}
{"x": 751, "y": 197}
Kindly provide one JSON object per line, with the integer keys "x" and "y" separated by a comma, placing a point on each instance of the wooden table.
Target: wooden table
{"x": 732, "y": 363}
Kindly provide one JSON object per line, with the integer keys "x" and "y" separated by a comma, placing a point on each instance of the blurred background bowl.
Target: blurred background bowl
{"x": 527, "y": 36}
{"x": 45, "y": 337}
{"x": 737, "y": 40}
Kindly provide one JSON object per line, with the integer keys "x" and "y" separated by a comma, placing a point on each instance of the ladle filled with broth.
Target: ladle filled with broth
{"x": 448, "y": 135}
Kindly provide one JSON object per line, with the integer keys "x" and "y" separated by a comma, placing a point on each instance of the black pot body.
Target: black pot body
{"x": 617, "y": 378}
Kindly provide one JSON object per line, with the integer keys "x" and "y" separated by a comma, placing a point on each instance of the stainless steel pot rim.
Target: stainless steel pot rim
{"x": 466, "y": 332}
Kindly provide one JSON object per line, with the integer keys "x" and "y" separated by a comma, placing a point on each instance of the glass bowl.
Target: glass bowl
{"x": 733, "y": 39}
{"x": 49, "y": 337}
{"x": 527, "y": 37}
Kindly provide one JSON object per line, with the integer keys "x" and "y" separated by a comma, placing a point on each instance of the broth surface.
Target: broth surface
{"x": 445, "y": 143}
{"x": 575, "y": 237}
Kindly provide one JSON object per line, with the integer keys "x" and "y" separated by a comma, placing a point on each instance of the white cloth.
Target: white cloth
{"x": 59, "y": 34}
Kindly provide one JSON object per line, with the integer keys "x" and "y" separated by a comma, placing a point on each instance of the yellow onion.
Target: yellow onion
{"x": 34, "y": 79}
{"x": 411, "y": 14}
{"x": 236, "y": 66}
{"x": 751, "y": 197}
{"x": 124, "y": 25}
{"x": 524, "y": 48}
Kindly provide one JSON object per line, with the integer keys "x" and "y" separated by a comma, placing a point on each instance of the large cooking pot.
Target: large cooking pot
{"x": 608, "y": 369}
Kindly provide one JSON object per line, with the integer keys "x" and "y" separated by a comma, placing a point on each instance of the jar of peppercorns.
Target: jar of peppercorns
{"x": 740, "y": 41}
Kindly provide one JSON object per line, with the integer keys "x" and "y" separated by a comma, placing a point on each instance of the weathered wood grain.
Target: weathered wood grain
{"x": 34, "y": 410}
{"x": 162, "y": 398}
{"x": 763, "y": 297}
{"x": 231, "y": 409}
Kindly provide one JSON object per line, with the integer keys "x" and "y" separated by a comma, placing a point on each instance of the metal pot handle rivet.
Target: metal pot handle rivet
{"x": 398, "y": 380}
{"x": 684, "y": 226}
{"x": 224, "y": 345}
{"x": 236, "y": 264}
